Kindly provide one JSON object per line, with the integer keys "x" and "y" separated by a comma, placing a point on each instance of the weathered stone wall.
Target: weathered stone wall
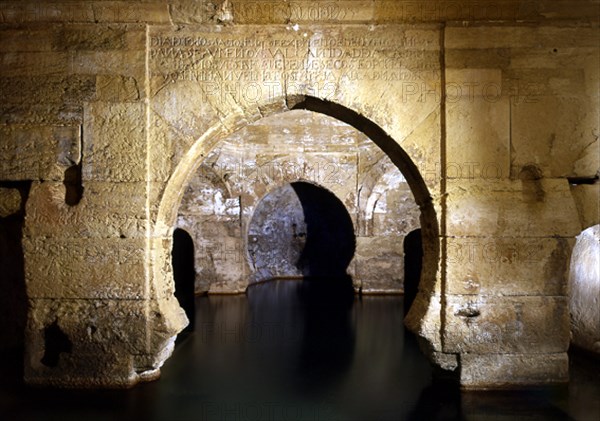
{"x": 72, "y": 115}
{"x": 511, "y": 217}
{"x": 218, "y": 205}
{"x": 487, "y": 108}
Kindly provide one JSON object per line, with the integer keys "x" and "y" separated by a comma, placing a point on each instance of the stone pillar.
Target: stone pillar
{"x": 93, "y": 318}
{"x": 510, "y": 217}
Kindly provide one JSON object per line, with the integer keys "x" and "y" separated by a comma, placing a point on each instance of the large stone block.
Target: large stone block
{"x": 379, "y": 264}
{"x": 162, "y": 155}
{"x": 484, "y": 37}
{"x": 52, "y": 100}
{"x": 422, "y": 147}
{"x": 573, "y": 61}
{"x": 106, "y": 210}
{"x": 478, "y": 134}
{"x": 92, "y": 324}
{"x": 586, "y": 198}
{"x": 93, "y": 37}
{"x": 305, "y": 62}
{"x": 114, "y": 143}
{"x": 161, "y": 285}
{"x": 111, "y": 88}
{"x": 501, "y": 10}
{"x": 507, "y": 266}
{"x": 99, "y": 343}
{"x": 71, "y": 346}
{"x": 554, "y": 127}
{"x": 381, "y": 11}
{"x": 41, "y": 114}
{"x": 45, "y": 100}
{"x": 32, "y": 39}
{"x": 49, "y": 90}
{"x": 37, "y": 63}
{"x": 533, "y": 83}
{"x": 467, "y": 83}
{"x": 180, "y": 114}
{"x": 495, "y": 371}
{"x": 526, "y": 208}
{"x": 334, "y": 171}
{"x": 551, "y": 77}
{"x": 72, "y": 268}
{"x": 468, "y": 57}
{"x": 511, "y": 325}
{"x": 86, "y": 12}
{"x": 126, "y": 63}
{"x": 395, "y": 213}
{"x": 275, "y": 12}
{"x": 61, "y": 72}
{"x": 157, "y": 202}
{"x": 334, "y": 135}
{"x": 38, "y": 153}
{"x": 221, "y": 258}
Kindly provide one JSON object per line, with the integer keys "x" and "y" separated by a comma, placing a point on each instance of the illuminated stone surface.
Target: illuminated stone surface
{"x": 111, "y": 109}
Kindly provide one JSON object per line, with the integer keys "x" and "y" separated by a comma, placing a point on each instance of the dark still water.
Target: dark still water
{"x": 295, "y": 351}
{"x": 279, "y": 355}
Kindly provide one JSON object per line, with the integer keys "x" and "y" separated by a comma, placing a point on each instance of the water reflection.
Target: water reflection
{"x": 291, "y": 347}
{"x": 314, "y": 316}
{"x": 248, "y": 360}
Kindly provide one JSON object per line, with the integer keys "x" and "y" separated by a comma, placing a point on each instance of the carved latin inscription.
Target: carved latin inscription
{"x": 267, "y": 63}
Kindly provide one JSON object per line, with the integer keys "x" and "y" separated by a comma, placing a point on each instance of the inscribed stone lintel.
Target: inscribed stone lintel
{"x": 256, "y": 64}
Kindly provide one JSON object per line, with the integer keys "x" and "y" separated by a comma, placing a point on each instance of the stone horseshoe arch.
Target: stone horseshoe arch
{"x": 174, "y": 190}
{"x": 334, "y": 241}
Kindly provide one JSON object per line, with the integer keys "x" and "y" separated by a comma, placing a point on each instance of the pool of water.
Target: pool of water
{"x": 267, "y": 356}
{"x": 284, "y": 352}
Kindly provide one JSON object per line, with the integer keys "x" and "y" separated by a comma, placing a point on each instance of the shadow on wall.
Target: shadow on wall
{"x": 313, "y": 340}
{"x": 330, "y": 241}
{"x": 13, "y": 299}
{"x": 184, "y": 273}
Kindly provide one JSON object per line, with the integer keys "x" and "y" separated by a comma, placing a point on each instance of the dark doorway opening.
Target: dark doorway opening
{"x": 184, "y": 273}
{"x": 330, "y": 240}
{"x": 413, "y": 261}
{"x": 55, "y": 343}
{"x": 13, "y": 300}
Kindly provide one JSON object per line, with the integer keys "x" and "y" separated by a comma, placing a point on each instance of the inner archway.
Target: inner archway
{"x": 246, "y": 171}
{"x": 300, "y": 230}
